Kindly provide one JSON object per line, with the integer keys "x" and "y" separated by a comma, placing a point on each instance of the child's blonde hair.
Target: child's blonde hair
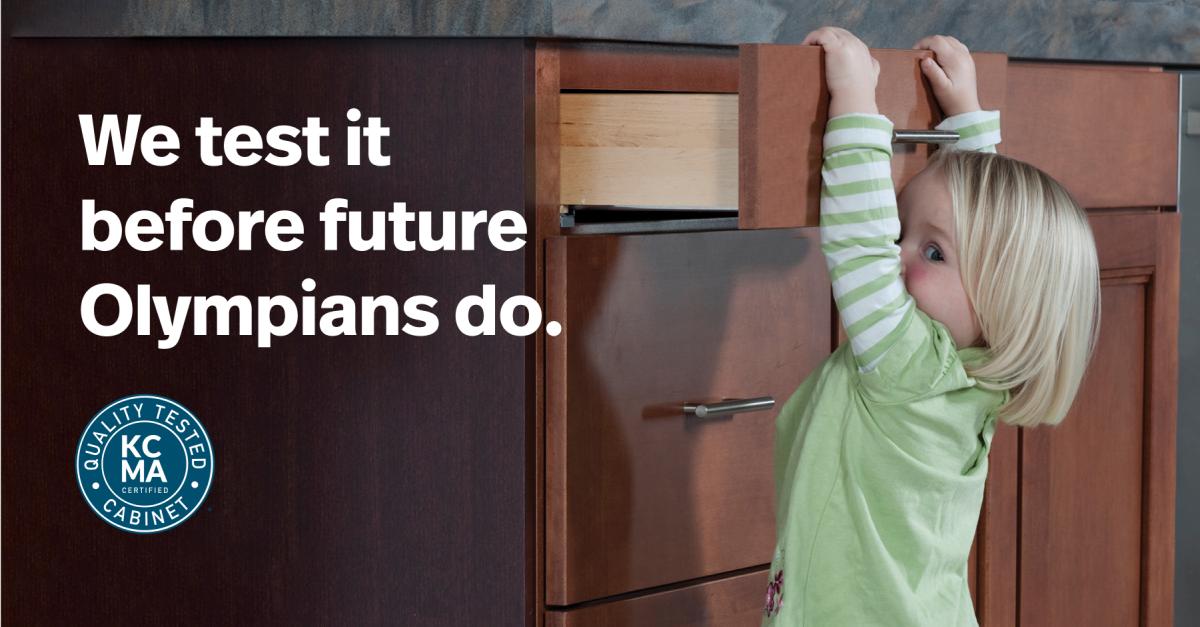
{"x": 1028, "y": 263}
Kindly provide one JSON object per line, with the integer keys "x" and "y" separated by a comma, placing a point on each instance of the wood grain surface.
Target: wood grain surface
{"x": 622, "y": 66}
{"x": 649, "y": 150}
{"x": 380, "y": 480}
{"x": 1097, "y": 491}
{"x": 1109, "y": 134}
{"x": 639, "y": 495}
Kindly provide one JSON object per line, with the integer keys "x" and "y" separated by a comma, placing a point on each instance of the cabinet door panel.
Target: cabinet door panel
{"x": 1097, "y": 492}
{"x": 1081, "y": 494}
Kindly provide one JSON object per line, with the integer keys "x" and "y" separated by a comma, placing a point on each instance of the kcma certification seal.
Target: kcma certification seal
{"x": 144, "y": 463}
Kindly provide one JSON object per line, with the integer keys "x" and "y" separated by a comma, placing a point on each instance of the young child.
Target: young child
{"x": 976, "y": 298}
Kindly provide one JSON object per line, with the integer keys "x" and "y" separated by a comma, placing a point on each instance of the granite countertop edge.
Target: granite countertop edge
{"x": 1155, "y": 33}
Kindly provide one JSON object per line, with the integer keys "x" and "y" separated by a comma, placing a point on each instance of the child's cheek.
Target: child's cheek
{"x": 913, "y": 275}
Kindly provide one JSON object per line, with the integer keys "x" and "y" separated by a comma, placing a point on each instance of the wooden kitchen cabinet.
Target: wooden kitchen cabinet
{"x": 1077, "y": 523}
{"x": 544, "y": 480}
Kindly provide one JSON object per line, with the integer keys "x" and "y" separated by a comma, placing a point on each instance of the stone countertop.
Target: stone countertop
{"x": 1157, "y": 32}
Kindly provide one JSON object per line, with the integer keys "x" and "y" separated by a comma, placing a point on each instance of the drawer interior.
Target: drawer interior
{"x": 645, "y": 152}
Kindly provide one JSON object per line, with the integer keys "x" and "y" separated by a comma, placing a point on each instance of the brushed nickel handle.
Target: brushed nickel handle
{"x": 917, "y": 136}
{"x": 728, "y": 407}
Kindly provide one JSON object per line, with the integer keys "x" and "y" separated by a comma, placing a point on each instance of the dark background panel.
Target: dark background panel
{"x": 359, "y": 480}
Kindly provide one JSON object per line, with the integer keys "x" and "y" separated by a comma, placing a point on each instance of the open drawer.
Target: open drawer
{"x": 638, "y": 494}
{"x": 757, "y": 151}
{"x": 749, "y": 139}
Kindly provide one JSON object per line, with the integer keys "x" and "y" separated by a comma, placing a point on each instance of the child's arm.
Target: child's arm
{"x": 859, "y": 229}
{"x": 859, "y": 222}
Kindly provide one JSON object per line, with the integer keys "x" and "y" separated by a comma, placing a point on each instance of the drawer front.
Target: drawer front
{"x": 783, "y": 104}
{"x": 638, "y": 495}
{"x": 735, "y": 601}
{"x": 1109, "y": 134}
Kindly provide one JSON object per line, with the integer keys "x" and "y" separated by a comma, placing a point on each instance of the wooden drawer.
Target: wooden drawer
{"x": 1110, "y": 134}
{"x": 649, "y": 150}
{"x": 638, "y": 495}
{"x": 758, "y": 150}
{"x": 734, "y": 601}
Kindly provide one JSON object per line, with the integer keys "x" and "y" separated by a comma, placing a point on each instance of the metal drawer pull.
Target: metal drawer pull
{"x": 729, "y": 407}
{"x": 909, "y": 136}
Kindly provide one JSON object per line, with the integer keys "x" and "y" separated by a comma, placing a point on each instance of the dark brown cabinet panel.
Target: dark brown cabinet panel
{"x": 358, "y": 480}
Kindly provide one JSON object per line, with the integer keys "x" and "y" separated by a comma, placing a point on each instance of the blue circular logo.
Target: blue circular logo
{"x": 144, "y": 463}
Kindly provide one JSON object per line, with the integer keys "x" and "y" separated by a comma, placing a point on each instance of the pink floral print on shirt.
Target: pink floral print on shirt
{"x": 774, "y": 595}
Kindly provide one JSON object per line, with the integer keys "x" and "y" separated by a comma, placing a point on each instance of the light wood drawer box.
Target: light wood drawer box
{"x": 757, "y": 150}
{"x": 734, "y": 601}
{"x": 638, "y": 495}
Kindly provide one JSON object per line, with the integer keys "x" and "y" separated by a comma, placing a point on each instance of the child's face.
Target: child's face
{"x": 929, "y": 256}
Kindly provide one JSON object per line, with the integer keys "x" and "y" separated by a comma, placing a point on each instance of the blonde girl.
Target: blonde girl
{"x": 971, "y": 297}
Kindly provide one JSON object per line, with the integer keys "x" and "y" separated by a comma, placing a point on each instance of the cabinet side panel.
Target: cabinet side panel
{"x": 359, "y": 480}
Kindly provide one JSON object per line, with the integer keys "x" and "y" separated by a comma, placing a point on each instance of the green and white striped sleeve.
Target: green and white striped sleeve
{"x": 860, "y": 225}
{"x": 859, "y": 229}
{"x": 977, "y": 130}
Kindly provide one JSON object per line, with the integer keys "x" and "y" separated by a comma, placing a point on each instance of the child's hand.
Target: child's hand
{"x": 850, "y": 71}
{"x": 952, "y": 74}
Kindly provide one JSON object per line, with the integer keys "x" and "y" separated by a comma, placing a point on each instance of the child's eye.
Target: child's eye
{"x": 932, "y": 253}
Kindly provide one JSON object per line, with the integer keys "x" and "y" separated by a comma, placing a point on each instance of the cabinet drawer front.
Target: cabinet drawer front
{"x": 1109, "y": 134}
{"x": 728, "y": 602}
{"x": 783, "y": 105}
{"x": 638, "y": 495}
